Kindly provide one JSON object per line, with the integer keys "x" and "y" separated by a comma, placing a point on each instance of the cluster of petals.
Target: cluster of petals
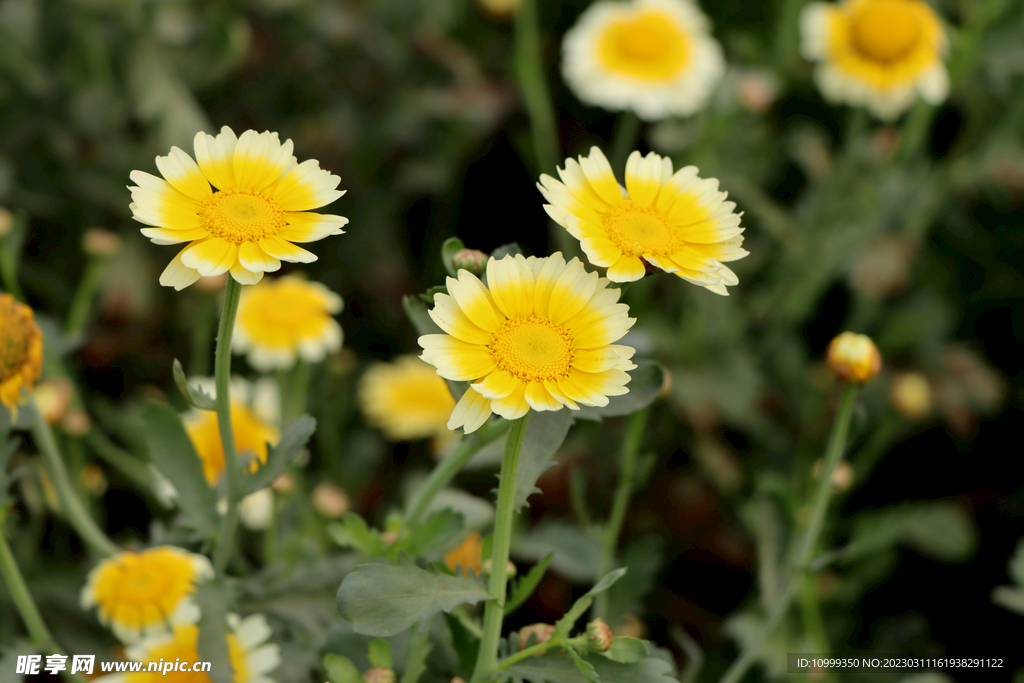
{"x": 251, "y": 656}
{"x": 675, "y": 221}
{"x": 539, "y": 335}
{"x": 877, "y": 54}
{"x": 137, "y": 594}
{"x": 654, "y": 57}
{"x": 247, "y": 223}
{"x": 282, "y": 320}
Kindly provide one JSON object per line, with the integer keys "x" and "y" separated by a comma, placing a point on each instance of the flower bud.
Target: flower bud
{"x": 842, "y": 475}
{"x": 472, "y": 260}
{"x": 631, "y": 627}
{"x": 6, "y": 222}
{"x": 853, "y": 357}
{"x": 541, "y": 632}
{"x": 757, "y": 91}
{"x": 76, "y": 423}
{"x": 379, "y": 674}
{"x": 330, "y": 501}
{"x": 257, "y": 509}
{"x": 93, "y": 480}
{"x": 389, "y": 537}
{"x": 284, "y": 484}
{"x": 53, "y": 398}
{"x": 100, "y": 243}
{"x": 500, "y": 9}
{"x": 911, "y": 395}
{"x": 599, "y": 635}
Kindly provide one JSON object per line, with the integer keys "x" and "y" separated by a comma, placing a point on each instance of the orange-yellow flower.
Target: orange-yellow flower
{"x": 21, "y": 351}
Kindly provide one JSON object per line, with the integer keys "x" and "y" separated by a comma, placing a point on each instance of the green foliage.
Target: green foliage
{"x": 416, "y": 657}
{"x": 385, "y": 599}
{"x": 644, "y": 385}
{"x": 380, "y": 653}
{"x": 644, "y": 558}
{"x": 1012, "y": 597}
{"x": 279, "y": 457}
{"x": 171, "y": 451}
{"x": 545, "y": 433}
{"x": 451, "y": 246}
{"x": 341, "y": 669}
{"x": 197, "y": 398}
{"x": 353, "y": 532}
{"x": 568, "y": 620}
{"x": 938, "y": 529}
{"x": 574, "y": 552}
{"x": 552, "y": 668}
{"x": 626, "y": 650}
{"x": 523, "y": 588}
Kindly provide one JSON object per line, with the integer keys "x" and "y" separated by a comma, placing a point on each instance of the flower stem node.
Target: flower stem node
{"x": 472, "y": 260}
{"x": 379, "y": 674}
{"x": 853, "y": 358}
{"x": 599, "y": 635}
{"x": 541, "y": 634}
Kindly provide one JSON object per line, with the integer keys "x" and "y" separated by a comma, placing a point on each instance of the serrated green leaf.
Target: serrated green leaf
{"x": 353, "y": 532}
{"x": 524, "y": 587}
{"x": 585, "y": 668}
{"x": 565, "y": 624}
{"x": 212, "y": 645}
{"x": 438, "y": 532}
{"x": 552, "y": 668}
{"x": 545, "y": 433}
{"x": 171, "y": 451}
{"x": 379, "y": 653}
{"x": 644, "y": 387}
{"x": 626, "y": 650}
{"x": 451, "y": 246}
{"x": 197, "y": 398}
{"x": 939, "y": 529}
{"x": 385, "y": 599}
{"x": 341, "y": 669}
{"x": 280, "y": 456}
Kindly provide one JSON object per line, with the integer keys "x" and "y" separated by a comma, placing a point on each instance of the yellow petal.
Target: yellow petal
{"x": 285, "y": 251}
{"x": 450, "y": 318}
{"x": 260, "y": 159}
{"x": 470, "y": 413}
{"x": 513, "y": 406}
{"x": 627, "y": 269}
{"x": 456, "y": 359}
{"x": 306, "y": 226}
{"x": 216, "y": 157}
{"x": 539, "y": 398}
{"x": 475, "y": 301}
{"x": 306, "y": 187}
{"x": 510, "y": 281}
{"x": 184, "y": 174}
{"x": 498, "y": 384}
{"x": 177, "y": 275}
{"x": 211, "y": 256}
{"x": 254, "y": 259}
{"x": 643, "y": 178}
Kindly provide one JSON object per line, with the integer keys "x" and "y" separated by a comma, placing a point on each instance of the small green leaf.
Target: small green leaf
{"x": 523, "y": 588}
{"x": 211, "y": 596}
{"x": 584, "y": 667}
{"x": 383, "y": 600}
{"x": 427, "y": 297}
{"x": 280, "y": 456}
{"x": 416, "y": 657}
{"x": 171, "y": 451}
{"x": 451, "y": 246}
{"x": 626, "y": 650}
{"x": 551, "y": 667}
{"x": 439, "y": 532}
{"x": 565, "y": 624}
{"x": 380, "y": 653}
{"x": 644, "y": 387}
{"x": 197, "y": 398}
{"x": 545, "y": 433}
{"x": 341, "y": 669}
{"x": 353, "y": 532}
{"x": 512, "y": 248}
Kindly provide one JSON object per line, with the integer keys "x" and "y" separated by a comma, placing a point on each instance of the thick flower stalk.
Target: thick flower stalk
{"x": 675, "y": 221}
{"x": 878, "y": 54}
{"x": 654, "y": 57}
{"x": 538, "y": 336}
{"x": 259, "y": 205}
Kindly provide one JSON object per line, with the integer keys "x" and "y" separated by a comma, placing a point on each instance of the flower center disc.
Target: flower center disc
{"x": 884, "y": 30}
{"x": 649, "y": 46}
{"x": 638, "y": 232}
{"x": 239, "y": 216}
{"x": 148, "y": 584}
{"x": 532, "y": 349}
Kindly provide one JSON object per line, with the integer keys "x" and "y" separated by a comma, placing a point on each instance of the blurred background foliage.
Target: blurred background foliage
{"x": 908, "y": 232}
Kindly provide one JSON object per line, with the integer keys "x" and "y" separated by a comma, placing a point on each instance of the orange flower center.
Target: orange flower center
{"x": 885, "y": 30}
{"x": 241, "y": 216}
{"x": 532, "y": 349}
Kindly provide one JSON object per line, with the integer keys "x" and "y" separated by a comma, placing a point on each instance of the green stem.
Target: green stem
{"x": 810, "y": 610}
{"x": 81, "y": 304}
{"x": 10, "y": 248}
{"x": 623, "y": 491}
{"x": 494, "y": 611}
{"x": 537, "y": 649}
{"x": 530, "y": 71}
{"x": 833, "y": 453}
{"x": 294, "y": 392}
{"x": 222, "y": 372}
{"x": 202, "y": 330}
{"x": 26, "y": 606}
{"x": 624, "y": 138}
{"x": 71, "y": 505}
{"x": 450, "y": 466}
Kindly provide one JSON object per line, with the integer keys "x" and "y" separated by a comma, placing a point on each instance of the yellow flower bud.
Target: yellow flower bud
{"x": 330, "y": 501}
{"x": 911, "y": 395}
{"x": 599, "y": 634}
{"x": 853, "y": 357}
{"x": 53, "y": 398}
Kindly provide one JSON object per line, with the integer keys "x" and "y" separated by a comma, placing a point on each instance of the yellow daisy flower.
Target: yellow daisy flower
{"x": 254, "y": 415}
{"x": 675, "y": 221}
{"x": 251, "y": 657}
{"x": 879, "y": 54}
{"x": 141, "y": 593}
{"x": 21, "y": 352}
{"x": 284, "y": 318}
{"x": 538, "y": 335}
{"x": 405, "y": 399}
{"x": 655, "y": 57}
{"x": 247, "y": 225}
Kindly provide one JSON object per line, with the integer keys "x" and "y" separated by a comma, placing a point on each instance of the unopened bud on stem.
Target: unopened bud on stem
{"x": 853, "y": 358}
{"x": 471, "y": 259}
{"x": 599, "y": 634}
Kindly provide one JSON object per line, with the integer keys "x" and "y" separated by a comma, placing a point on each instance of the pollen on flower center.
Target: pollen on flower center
{"x": 649, "y": 46}
{"x": 885, "y": 30}
{"x": 242, "y": 216}
{"x": 532, "y": 348}
{"x": 638, "y": 231}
